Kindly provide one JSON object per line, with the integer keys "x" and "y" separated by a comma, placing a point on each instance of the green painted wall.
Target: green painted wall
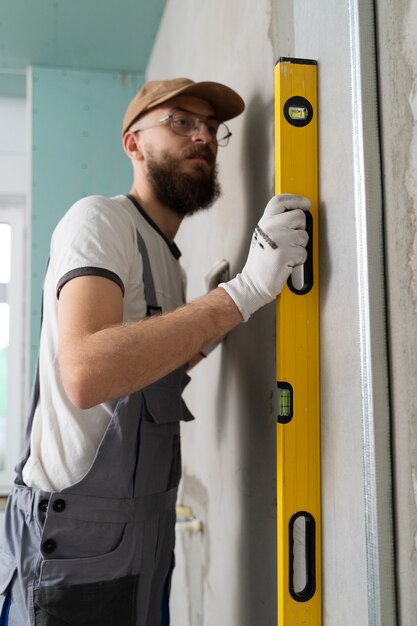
{"x": 104, "y": 35}
{"x": 76, "y": 151}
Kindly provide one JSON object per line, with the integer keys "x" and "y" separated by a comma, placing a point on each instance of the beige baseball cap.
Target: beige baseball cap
{"x": 226, "y": 102}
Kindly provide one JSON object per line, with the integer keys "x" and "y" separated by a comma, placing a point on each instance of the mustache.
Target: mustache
{"x": 199, "y": 151}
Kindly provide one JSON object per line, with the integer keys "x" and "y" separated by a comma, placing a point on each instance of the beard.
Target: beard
{"x": 182, "y": 192}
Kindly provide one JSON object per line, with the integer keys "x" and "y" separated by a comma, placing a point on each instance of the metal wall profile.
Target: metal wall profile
{"x": 374, "y": 401}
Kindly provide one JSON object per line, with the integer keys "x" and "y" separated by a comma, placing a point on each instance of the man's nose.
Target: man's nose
{"x": 202, "y": 133}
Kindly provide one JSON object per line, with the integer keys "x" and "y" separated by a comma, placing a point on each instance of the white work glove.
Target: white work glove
{"x": 278, "y": 245}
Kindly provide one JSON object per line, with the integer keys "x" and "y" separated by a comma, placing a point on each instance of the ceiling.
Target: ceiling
{"x": 79, "y": 34}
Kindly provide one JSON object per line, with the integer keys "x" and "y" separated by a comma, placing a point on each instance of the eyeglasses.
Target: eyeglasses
{"x": 186, "y": 124}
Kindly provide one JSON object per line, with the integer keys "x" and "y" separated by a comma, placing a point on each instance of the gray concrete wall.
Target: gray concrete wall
{"x": 397, "y": 29}
{"x": 227, "y": 574}
{"x": 229, "y": 452}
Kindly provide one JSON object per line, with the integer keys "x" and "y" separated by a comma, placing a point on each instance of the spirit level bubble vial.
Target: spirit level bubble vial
{"x": 298, "y": 421}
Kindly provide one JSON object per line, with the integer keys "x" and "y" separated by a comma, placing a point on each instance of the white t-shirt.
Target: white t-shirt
{"x": 97, "y": 236}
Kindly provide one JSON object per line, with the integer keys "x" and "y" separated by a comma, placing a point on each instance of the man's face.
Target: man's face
{"x": 181, "y": 169}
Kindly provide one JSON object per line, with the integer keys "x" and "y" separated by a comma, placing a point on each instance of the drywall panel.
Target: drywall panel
{"x": 397, "y": 34}
{"x": 98, "y": 34}
{"x": 228, "y": 572}
{"x": 76, "y": 151}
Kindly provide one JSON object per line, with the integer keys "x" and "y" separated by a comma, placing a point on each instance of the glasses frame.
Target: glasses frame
{"x": 199, "y": 119}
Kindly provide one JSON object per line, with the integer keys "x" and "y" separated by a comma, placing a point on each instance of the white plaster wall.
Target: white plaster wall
{"x": 228, "y": 575}
{"x": 397, "y": 26}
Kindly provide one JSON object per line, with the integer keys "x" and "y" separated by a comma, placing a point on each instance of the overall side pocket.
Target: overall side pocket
{"x": 105, "y": 603}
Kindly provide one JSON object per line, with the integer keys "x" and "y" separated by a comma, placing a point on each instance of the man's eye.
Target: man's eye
{"x": 183, "y": 123}
{"x": 212, "y": 128}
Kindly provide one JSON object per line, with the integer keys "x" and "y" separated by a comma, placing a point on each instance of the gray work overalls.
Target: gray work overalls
{"x": 100, "y": 553}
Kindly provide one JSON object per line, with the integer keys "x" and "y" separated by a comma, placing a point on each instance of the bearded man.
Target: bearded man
{"x": 89, "y": 532}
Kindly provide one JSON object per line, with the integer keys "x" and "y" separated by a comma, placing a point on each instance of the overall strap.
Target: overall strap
{"x": 34, "y": 399}
{"x": 152, "y": 307}
{"x": 33, "y": 403}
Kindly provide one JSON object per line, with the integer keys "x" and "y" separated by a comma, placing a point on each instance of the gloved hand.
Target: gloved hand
{"x": 278, "y": 245}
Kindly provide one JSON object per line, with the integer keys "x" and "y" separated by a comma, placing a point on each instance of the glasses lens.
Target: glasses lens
{"x": 184, "y": 123}
{"x": 223, "y": 135}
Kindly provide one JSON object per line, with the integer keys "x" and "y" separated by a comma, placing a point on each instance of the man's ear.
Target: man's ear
{"x": 132, "y": 147}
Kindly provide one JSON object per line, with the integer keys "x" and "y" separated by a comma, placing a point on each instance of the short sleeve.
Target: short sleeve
{"x": 96, "y": 237}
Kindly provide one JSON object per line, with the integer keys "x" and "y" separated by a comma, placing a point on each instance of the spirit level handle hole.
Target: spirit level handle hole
{"x": 302, "y": 556}
{"x": 301, "y": 280}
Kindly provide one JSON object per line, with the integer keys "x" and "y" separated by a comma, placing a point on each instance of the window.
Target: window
{"x": 5, "y": 249}
{"x": 12, "y": 364}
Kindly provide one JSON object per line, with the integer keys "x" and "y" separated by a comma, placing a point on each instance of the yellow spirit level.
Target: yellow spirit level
{"x": 298, "y": 423}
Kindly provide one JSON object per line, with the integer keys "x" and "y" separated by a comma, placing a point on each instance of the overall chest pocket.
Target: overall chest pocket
{"x": 159, "y": 458}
